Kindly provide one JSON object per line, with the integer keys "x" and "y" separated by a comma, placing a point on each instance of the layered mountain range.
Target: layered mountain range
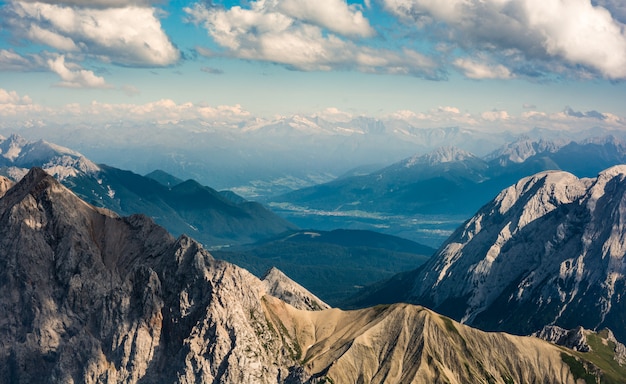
{"x": 88, "y": 296}
{"x": 548, "y": 250}
{"x": 450, "y": 180}
{"x": 214, "y": 218}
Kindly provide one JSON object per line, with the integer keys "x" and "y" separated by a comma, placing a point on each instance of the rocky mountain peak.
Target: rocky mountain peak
{"x": 522, "y": 149}
{"x": 541, "y": 193}
{"x": 282, "y": 287}
{"x": 90, "y": 297}
{"x": 439, "y": 156}
{"x": 11, "y": 147}
{"x": 547, "y": 250}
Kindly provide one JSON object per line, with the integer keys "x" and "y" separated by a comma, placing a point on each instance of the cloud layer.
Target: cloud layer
{"x": 306, "y": 36}
{"x": 554, "y": 32}
{"x": 16, "y": 110}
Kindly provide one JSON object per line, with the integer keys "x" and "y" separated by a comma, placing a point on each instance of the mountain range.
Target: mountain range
{"x": 443, "y": 187}
{"x": 450, "y": 180}
{"x": 88, "y": 296}
{"x": 258, "y": 158}
{"x": 214, "y": 218}
{"x": 548, "y": 250}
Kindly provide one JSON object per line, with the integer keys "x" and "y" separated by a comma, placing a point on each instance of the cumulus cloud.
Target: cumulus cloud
{"x": 72, "y": 76}
{"x": 267, "y": 32}
{"x": 480, "y": 70}
{"x": 495, "y": 115}
{"x": 164, "y": 111}
{"x": 12, "y": 97}
{"x": 573, "y": 33}
{"x": 128, "y": 35}
{"x": 335, "y": 15}
{"x": 12, "y": 105}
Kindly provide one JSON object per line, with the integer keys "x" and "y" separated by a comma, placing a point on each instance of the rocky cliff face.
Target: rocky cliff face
{"x": 548, "y": 250}
{"x": 87, "y": 296}
{"x": 90, "y": 297}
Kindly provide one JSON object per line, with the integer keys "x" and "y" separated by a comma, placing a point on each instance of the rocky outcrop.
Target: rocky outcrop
{"x": 90, "y": 297}
{"x": 281, "y": 286}
{"x": 577, "y": 340}
{"x": 574, "y": 339}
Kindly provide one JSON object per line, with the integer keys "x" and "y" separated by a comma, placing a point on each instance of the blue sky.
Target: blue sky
{"x": 524, "y": 63}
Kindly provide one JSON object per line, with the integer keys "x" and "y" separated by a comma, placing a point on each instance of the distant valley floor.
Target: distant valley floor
{"x": 431, "y": 230}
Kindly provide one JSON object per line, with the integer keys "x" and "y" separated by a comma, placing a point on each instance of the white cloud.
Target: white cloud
{"x": 164, "y": 111}
{"x": 334, "y": 115}
{"x": 616, "y": 7}
{"x": 12, "y": 61}
{"x": 37, "y": 34}
{"x": 12, "y": 97}
{"x": 449, "y": 109}
{"x": 495, "y": 115}
{"x": 266, "y": 33}
{"x": 13, "y": 105}
{"x": 570, "y": 32}
{"x": 130, "y": 90}
{"x": 480, "y": 70}
{"x": 335, "y": 15}
{"x": 73, "y": 76}
{"x": 127, "y": 35}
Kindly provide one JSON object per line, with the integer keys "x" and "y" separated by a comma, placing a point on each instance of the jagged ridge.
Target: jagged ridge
{"x": 87, "y": 296}
{"x": 547, "y": 250}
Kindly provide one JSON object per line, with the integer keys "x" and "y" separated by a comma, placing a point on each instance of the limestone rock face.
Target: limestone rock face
{"x": 5, "y": 184}
{"x": 86, "y": 296}
{"x": 548, "y": 250}
{"x": 90, "y": 297}
{"x": 571, "y": 338}
{"x": 281, "y": 286}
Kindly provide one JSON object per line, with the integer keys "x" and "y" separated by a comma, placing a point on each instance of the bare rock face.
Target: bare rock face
{"x": 571, "y": 338}
{"x": 5, "y": 185}
{"x": 279, "y": 285}
{"x": 549, "y": 249}
{"x": 86, "y": 296}
{"x": 89, "y": 297}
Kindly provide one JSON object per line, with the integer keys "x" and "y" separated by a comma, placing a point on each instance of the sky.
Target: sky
{"x": 480, "y": 63}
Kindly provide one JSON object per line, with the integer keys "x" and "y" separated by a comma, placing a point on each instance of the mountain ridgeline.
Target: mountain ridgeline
{"x": 547, "y": 250}
{"x": 88, "y": 296}
{"x": 214, "y": 218}
{"x": 453, "y": 181}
